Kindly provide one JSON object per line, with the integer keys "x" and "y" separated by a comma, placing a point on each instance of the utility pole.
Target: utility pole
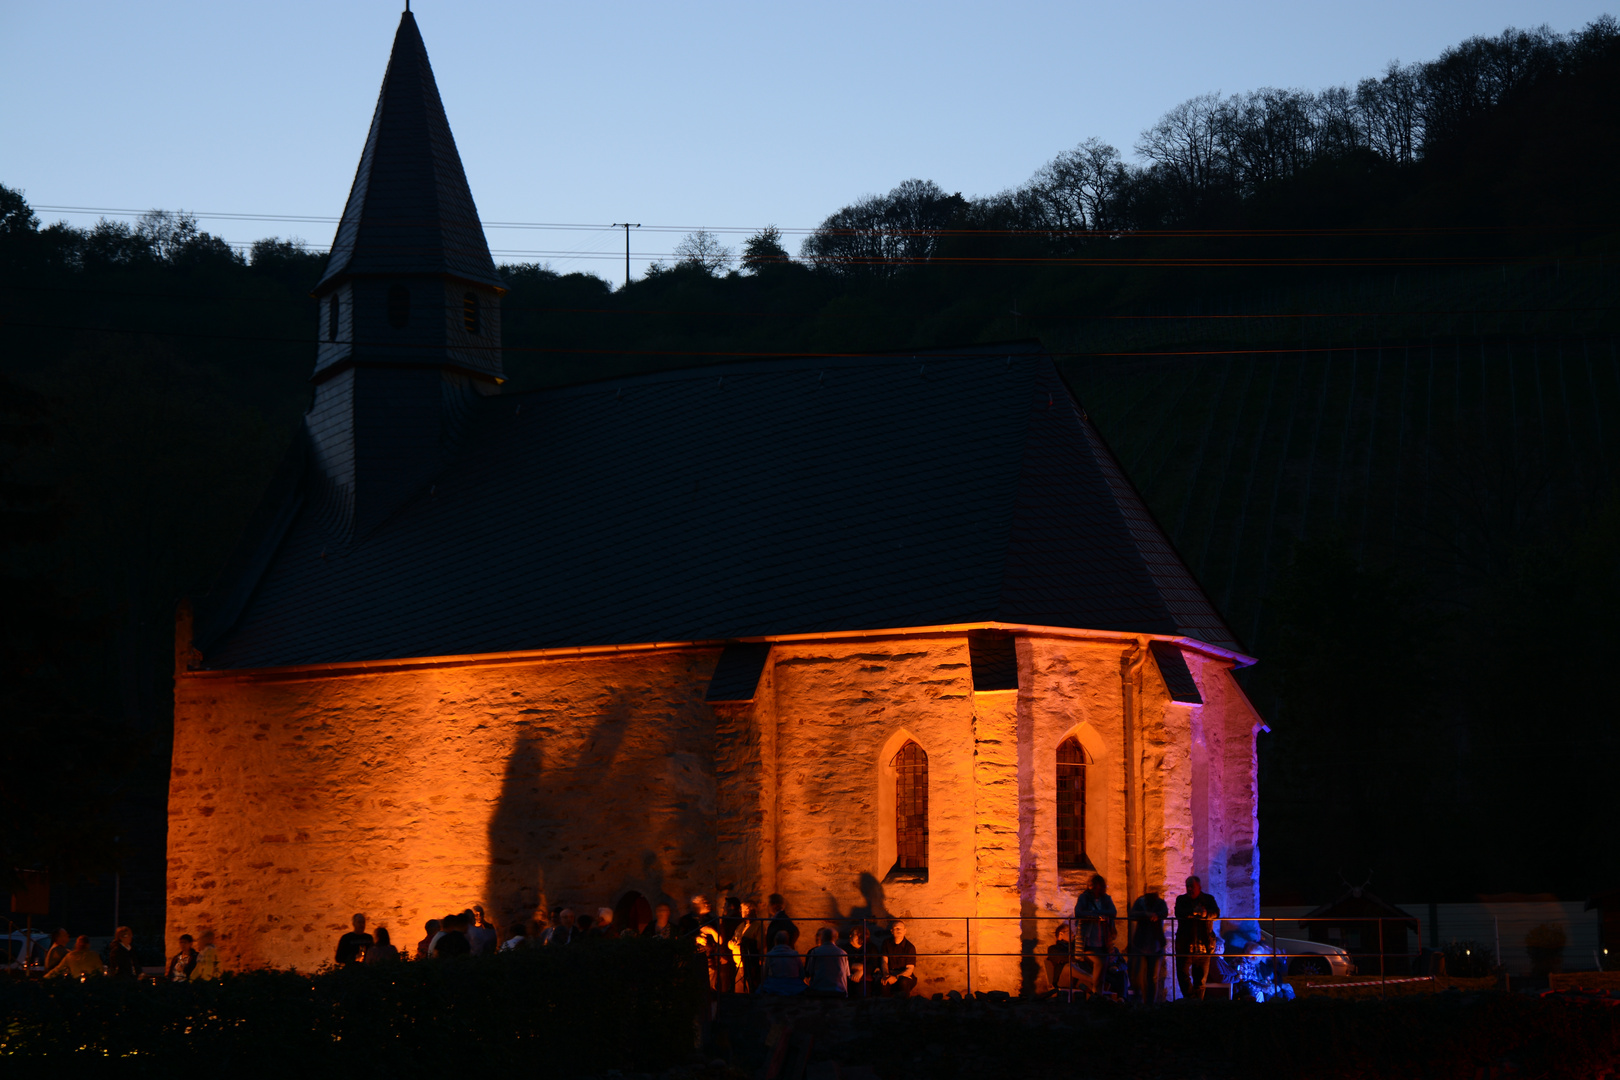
{"x": 626, "y": 226}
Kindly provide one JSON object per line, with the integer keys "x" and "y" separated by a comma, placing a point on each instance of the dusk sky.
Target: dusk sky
{"x": 719, "y": 115}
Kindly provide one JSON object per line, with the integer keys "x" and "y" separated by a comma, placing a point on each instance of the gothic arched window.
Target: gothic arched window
{"x": 910, "y": 807}
{"x": 469, "y": 313}
{"x": 332, "y": 317}
{"x": 1071, "y": 804}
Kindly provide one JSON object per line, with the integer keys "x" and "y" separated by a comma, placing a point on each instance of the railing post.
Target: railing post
{"x": 967, "y": 931}
{"x": 1383, "y": 977}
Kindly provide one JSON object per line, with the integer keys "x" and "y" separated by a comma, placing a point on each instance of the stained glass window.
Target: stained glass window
{"x": 1071, "y": 804}
{"x": 911, "y": 807}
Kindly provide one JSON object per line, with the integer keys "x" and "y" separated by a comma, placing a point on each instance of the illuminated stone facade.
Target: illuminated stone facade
{"x": 302, "y": 796}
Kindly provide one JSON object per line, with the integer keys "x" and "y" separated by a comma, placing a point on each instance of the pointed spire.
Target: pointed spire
{"x": 410, "y": 210}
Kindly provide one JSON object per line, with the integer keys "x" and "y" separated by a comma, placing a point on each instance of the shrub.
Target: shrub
{"x": 615, "y": 1004}
{"x": 1545, "y": 936}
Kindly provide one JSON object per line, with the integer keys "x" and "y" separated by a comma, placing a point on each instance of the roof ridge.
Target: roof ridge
{"x": 767, "y": 365}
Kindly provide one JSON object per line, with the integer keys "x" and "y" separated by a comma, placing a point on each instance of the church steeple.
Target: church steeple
{"x": 410, "y": 278}
{"x": 410, "y": 318}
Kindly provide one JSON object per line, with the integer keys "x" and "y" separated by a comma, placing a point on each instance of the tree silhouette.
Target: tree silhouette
{"x": 703, "y": 251}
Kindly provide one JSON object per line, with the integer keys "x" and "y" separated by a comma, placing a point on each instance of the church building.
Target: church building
{"x": 891, "y": 635}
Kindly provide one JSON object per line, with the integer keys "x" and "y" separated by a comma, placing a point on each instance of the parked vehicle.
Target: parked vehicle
{"x": 1310, "y": 957}
{"x": 23, "y": 949}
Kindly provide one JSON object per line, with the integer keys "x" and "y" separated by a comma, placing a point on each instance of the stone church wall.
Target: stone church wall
{"x": 299, "y": 799}
{"x": 296, "y": 802}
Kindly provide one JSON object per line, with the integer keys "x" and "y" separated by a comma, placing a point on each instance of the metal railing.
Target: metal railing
{"x": 1376, "y": 948}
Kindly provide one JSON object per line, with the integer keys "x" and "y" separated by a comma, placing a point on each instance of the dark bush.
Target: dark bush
{"x": 617, "y": 1004}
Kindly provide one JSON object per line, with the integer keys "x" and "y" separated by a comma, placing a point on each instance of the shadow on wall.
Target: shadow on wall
{"x": 554, "y": 833}
{"x": 872, "y": 907}
{"x": 515, "y": 885}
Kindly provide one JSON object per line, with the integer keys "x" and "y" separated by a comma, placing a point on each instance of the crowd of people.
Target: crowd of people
{"x": 747, "y": 952}
{"x": 1086, "y": 956}
{"x": 80, "y": 960}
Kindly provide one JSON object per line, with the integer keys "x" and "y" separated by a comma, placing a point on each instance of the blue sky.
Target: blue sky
{"x": 721, "y": 115}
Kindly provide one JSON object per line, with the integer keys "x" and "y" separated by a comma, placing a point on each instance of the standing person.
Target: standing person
{"x": 563, "y": 932}
{"x": 61, "y": 945}
{"x": 725, "y": 960}
{"x": 779, "y": 921}
{"x": 1148, "y": 913}
{"x": 381, "y": 951}
{"x": 515, "y": 939}
{"x": 899, "y": 964}
{"x": 740, "y": 943}
{"x": 207, "y": 967}
{"x": 784, "y": 974}
{"x": 1196, "y": 912}
{"x": 481, "y": 934}
{"x": 696, "y": 917}
{"x": 660, "y": 926}
{"x": 750, "y": 933}
{"x": 453, "y": 939}
{"x": 82, "y": 961}
{"x": 121, "y": 955}
{"x": 1094, "y": 916}
{"x": 351, "y": 947}
{"x": 827, "y": 967}
{"x": 424, "y": 948}
{"x": 181, "y": 963}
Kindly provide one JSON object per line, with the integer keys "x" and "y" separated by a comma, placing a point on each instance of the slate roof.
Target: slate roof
{"x": 410, "y": 210}
{"x": 742, "y": 500}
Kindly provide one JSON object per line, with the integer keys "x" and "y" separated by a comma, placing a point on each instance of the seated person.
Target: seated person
{"x": 81, "y": 961}
{"x": 784, "y": 974}
{"x": 1248, "y": 964}
{"x": 1062, "y": 969}
{"x": 827, "y": 967}
{"x": 863, "y": 962}
{"x": 899, "y": 964}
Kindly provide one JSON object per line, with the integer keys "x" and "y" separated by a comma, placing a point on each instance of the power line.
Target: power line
{"x": 1100, "y": 234}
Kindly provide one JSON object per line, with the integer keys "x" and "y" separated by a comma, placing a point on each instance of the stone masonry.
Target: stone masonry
{"x": 406, "y": 790}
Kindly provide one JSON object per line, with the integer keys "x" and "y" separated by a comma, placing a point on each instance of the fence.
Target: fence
{"x": 1015, "y": 953}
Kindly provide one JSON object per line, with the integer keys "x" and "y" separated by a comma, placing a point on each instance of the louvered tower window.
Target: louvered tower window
{"x": 910, "y": 808}
{"x": 332, "y": 317}
{"x": 1071, "y": 804}
{"x": 469, "y": 312}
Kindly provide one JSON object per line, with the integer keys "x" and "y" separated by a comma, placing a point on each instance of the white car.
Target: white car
{"x": 1310, "y": 957}
{"x": 23, "y": 948}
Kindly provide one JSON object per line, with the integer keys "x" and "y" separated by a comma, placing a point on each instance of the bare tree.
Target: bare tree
{"x": 167, "y": 231}
{"x": 1185, "y": 148}
{"x": 1079, "y": 188}
{"x": 882, "y": 233}
{"x": 702, "y": 250}
{"x": 1390, "y": 112}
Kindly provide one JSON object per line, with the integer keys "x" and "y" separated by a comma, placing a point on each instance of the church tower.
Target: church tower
{"x": 410, "y": 329}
